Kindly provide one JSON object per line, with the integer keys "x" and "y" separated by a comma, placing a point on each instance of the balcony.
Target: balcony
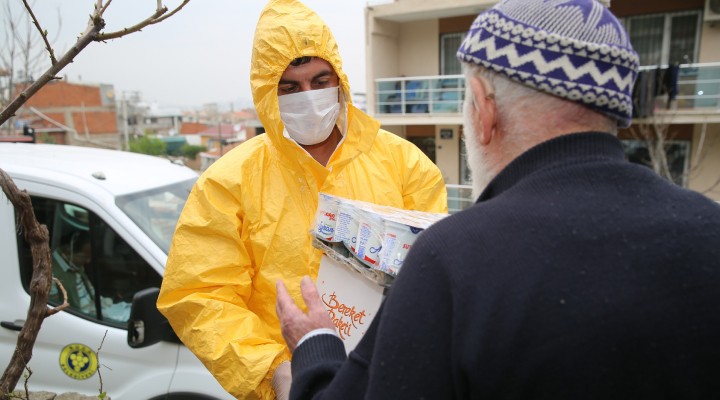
{"x": 439, "y": 99}
{"x": 420, "y": 98}
{"x": 698, "y": 96}
{"x": 459, "y": 198}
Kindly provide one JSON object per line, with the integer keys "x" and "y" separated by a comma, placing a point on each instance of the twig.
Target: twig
{"x": 102, "y": 12}
{"x": 64, "y": 304}
{"x": 43, "y": 33}
{"x": 178, "y": 8}
{"x": 95, "y": 26}
{"x": 25, "y": 382}
{"x": 158, "y": 16}
{"x": 135, "y": 28}
{"x": 102, "y": 394}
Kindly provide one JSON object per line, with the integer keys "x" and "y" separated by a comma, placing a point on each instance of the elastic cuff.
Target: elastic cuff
{"x": 320, "y": 331}
{"x": 318, "y": 349}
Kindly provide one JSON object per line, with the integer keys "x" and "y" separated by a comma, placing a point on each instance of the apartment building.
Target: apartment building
{"x": 416, "y": 88}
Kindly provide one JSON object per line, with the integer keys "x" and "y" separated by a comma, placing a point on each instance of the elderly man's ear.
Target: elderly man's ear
{"x": 484, "y": 112}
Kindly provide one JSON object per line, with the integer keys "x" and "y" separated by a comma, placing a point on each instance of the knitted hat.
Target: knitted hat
{"x": 574, "y": 49}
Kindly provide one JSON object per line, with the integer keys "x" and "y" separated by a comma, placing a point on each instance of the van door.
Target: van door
{"x": 84, "y": 348}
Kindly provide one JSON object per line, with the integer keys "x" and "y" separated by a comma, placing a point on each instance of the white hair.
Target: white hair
{"x": 524, "y": 117}
{"x": 529, "y": 114}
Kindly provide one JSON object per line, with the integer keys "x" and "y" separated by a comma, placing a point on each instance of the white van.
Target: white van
{"x": 111, "y": 217}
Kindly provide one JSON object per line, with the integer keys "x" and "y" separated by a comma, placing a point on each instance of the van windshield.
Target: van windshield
{"x": 156, "y": 211}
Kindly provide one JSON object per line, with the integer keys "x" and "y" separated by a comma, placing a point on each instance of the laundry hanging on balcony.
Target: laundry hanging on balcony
{"x": 667, "y": 79}
{"x": 653, "y": 83}
{"x": 644, "y": 94}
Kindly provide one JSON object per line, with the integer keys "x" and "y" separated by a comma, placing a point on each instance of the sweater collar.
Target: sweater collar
{"x": 563, "y": 149}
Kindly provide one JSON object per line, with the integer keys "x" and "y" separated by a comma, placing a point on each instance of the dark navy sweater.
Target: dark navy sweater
{"x": 577, "y": 275}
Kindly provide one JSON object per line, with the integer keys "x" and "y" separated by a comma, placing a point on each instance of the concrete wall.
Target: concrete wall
{"x": 396, "y": 129}
{"x": 710, "y": 43}
{"x": 418, "y": 51}
{"x": 704, "y": 176}
{"x": 385, "y": 44}
{"x": 447, "y": 153}
{"x": 381, "y": 45}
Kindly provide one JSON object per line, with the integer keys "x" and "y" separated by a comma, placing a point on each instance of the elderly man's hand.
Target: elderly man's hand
{"x": 293, "y": 321}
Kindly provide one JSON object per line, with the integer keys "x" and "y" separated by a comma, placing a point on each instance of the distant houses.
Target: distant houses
{"x": 86, "y": 114}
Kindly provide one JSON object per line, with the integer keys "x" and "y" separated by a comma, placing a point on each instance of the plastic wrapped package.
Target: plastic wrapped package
{"x": 377, "y": 237}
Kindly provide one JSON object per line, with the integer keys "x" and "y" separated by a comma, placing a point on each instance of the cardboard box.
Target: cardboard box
{"x": 351, "y": 297}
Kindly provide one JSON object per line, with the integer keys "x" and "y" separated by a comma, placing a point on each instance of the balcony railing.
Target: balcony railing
{"x": 698, "y": 89}
{"x": 698, "y": 86}
{"x": 420, "y": 95}
{"x": 459, "y": 197}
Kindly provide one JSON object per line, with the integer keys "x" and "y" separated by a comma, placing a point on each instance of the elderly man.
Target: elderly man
{"x": 246, "y": 223}
{"x": 577, "y": 275}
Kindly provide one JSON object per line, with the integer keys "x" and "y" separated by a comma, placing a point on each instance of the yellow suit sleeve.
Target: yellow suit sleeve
{"x": 205, "y": 292}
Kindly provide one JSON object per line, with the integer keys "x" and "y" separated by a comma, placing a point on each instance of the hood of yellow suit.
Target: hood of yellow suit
{"x": 287, "y": 30}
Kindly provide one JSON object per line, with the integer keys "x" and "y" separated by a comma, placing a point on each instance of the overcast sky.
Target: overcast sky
{"x": 200, "y": 55}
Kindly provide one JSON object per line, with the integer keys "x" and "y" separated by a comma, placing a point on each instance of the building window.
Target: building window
{"x": 449, "y": 44}
{"x": 663, "y": 39}
{"x": 425, "y": 144}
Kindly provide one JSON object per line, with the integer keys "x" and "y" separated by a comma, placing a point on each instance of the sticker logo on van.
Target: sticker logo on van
{"x": 78, "y": 361}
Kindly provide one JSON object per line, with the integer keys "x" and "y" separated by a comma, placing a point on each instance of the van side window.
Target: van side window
{"x": 99, "y": 270}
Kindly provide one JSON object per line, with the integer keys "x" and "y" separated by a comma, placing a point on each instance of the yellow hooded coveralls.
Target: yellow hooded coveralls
{"x": 246, "y": 223}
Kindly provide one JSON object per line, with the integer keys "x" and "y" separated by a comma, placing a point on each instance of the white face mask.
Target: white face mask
{"x": 310, "y": 116}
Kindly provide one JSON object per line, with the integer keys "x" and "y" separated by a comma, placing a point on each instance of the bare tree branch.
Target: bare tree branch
{"x": 26, "y": 380}
{"x": 43, "y": 33}
{"x": 158, "y": 16}
{"x": 101, "y": 393}
{"x": 97, "y": 24}
{"x": 135, "y": 28}
{"x": 92, "y": 33}
{"x": 64, "y": 304}
{"x": 38, "y": 238}
{"x": 102, "y": 11}
{"x": 178, "y": 8}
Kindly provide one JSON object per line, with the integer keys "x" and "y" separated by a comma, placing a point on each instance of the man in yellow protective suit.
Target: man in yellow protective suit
{"x": 246, "y": 223}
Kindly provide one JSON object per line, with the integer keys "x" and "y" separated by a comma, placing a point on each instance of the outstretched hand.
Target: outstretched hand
{"x": 294, "y": 323}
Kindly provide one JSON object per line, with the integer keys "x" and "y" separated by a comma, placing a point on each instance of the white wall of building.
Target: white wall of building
{"x": 705, "y": 164}
{"x": 396, "y": 129}
{"x": 447, "y": 153}
{"x": 709, "y": 48}
{"x": 418, "y": 49}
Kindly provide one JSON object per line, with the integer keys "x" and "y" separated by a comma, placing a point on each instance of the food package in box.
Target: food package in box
{"x": 326, "y": 217}
{"x": 378, "y": 236}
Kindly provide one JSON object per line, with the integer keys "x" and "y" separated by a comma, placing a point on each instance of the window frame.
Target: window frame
{"x": 667, "y": 30}
{"x": 95, "y": 224}
{"x": 443, "y": 36}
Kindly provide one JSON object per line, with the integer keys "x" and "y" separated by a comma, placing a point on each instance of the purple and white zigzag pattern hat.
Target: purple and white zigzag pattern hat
{"x": 574, "y": 49}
